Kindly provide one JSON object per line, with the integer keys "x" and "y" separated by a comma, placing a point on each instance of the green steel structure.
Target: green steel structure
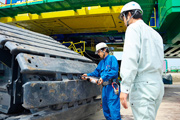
{"x": 169, "y": 26}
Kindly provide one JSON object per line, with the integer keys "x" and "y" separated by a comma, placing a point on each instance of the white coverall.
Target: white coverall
{"x": 141, "y": 70}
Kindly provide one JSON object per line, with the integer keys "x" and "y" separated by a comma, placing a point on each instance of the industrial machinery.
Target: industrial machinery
{"x": 39, "y": 78}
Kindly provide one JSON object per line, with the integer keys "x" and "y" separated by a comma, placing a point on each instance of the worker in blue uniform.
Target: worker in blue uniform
{"x": 107, "y": 70}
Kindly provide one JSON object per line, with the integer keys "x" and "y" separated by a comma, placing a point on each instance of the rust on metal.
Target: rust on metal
{"x": 51, "y": 91}
{"x": 33, "y": 84}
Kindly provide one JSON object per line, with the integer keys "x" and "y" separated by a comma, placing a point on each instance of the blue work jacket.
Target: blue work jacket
{"x": 107, "y": 68}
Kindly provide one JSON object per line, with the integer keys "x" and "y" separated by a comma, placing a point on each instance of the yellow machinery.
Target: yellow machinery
{"x": 85, "y": 20}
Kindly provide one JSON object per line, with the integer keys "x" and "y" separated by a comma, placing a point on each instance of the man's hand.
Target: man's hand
{"x": 84, "y": 77}
{"x": 100, "y": 81}
{"x": 123, "y": 98}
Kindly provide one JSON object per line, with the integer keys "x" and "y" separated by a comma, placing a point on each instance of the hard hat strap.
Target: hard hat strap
{"x": 104, "y": 52}
{"x": 130, "y": 18}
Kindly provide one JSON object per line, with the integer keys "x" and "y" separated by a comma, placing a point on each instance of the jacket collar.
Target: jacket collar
{"x": 106, "y": 57}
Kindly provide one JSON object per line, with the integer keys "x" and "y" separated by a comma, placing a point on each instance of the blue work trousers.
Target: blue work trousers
{"x": 110, "y": 103}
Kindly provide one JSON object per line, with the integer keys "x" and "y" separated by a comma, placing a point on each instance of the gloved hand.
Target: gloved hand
{"x": 84, "y": 77}
{"x": 90, "y": 79}
{"x": 100, "y": 81}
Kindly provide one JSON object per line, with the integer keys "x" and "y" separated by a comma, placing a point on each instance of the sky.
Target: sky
{"x": 172, "y": 62}
{"x": 3, "y": 1}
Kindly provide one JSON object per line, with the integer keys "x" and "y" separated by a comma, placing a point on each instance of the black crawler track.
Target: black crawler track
{"x": 39, "y": 78}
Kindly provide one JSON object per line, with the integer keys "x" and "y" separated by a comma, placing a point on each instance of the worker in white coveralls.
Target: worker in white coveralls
{"x": 142, "y": 63}
{"x": 107, "y": 70}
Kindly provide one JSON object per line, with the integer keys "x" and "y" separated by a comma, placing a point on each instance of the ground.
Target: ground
{"x": 169, "y": 108}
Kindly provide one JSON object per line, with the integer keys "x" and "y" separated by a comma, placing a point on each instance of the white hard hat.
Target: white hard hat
{"x": 100, "y": 46}
{"x": 130, "y": 6}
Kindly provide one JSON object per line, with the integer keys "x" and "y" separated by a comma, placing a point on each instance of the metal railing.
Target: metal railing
{"x": 19, "y": 2}
{"x": 73, "y": 46}
{"x": 155, "y": 17}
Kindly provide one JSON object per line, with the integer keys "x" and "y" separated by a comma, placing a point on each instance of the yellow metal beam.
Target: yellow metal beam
{"x": 69, "y": 13}
{"x": 85, "y": 20}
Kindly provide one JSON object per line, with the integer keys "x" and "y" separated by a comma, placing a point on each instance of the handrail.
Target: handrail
{"x": 154, "y": 18}
{"x": 18, "y": 2}
{"x": 78, "y": 50}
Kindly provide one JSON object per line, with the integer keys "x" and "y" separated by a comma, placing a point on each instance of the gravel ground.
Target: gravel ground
{"x": 169, "y": 108}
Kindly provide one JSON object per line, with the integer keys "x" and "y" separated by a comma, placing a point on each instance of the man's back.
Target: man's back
{"x": 151, "y": 54}
{"x": 149, "y": 46}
